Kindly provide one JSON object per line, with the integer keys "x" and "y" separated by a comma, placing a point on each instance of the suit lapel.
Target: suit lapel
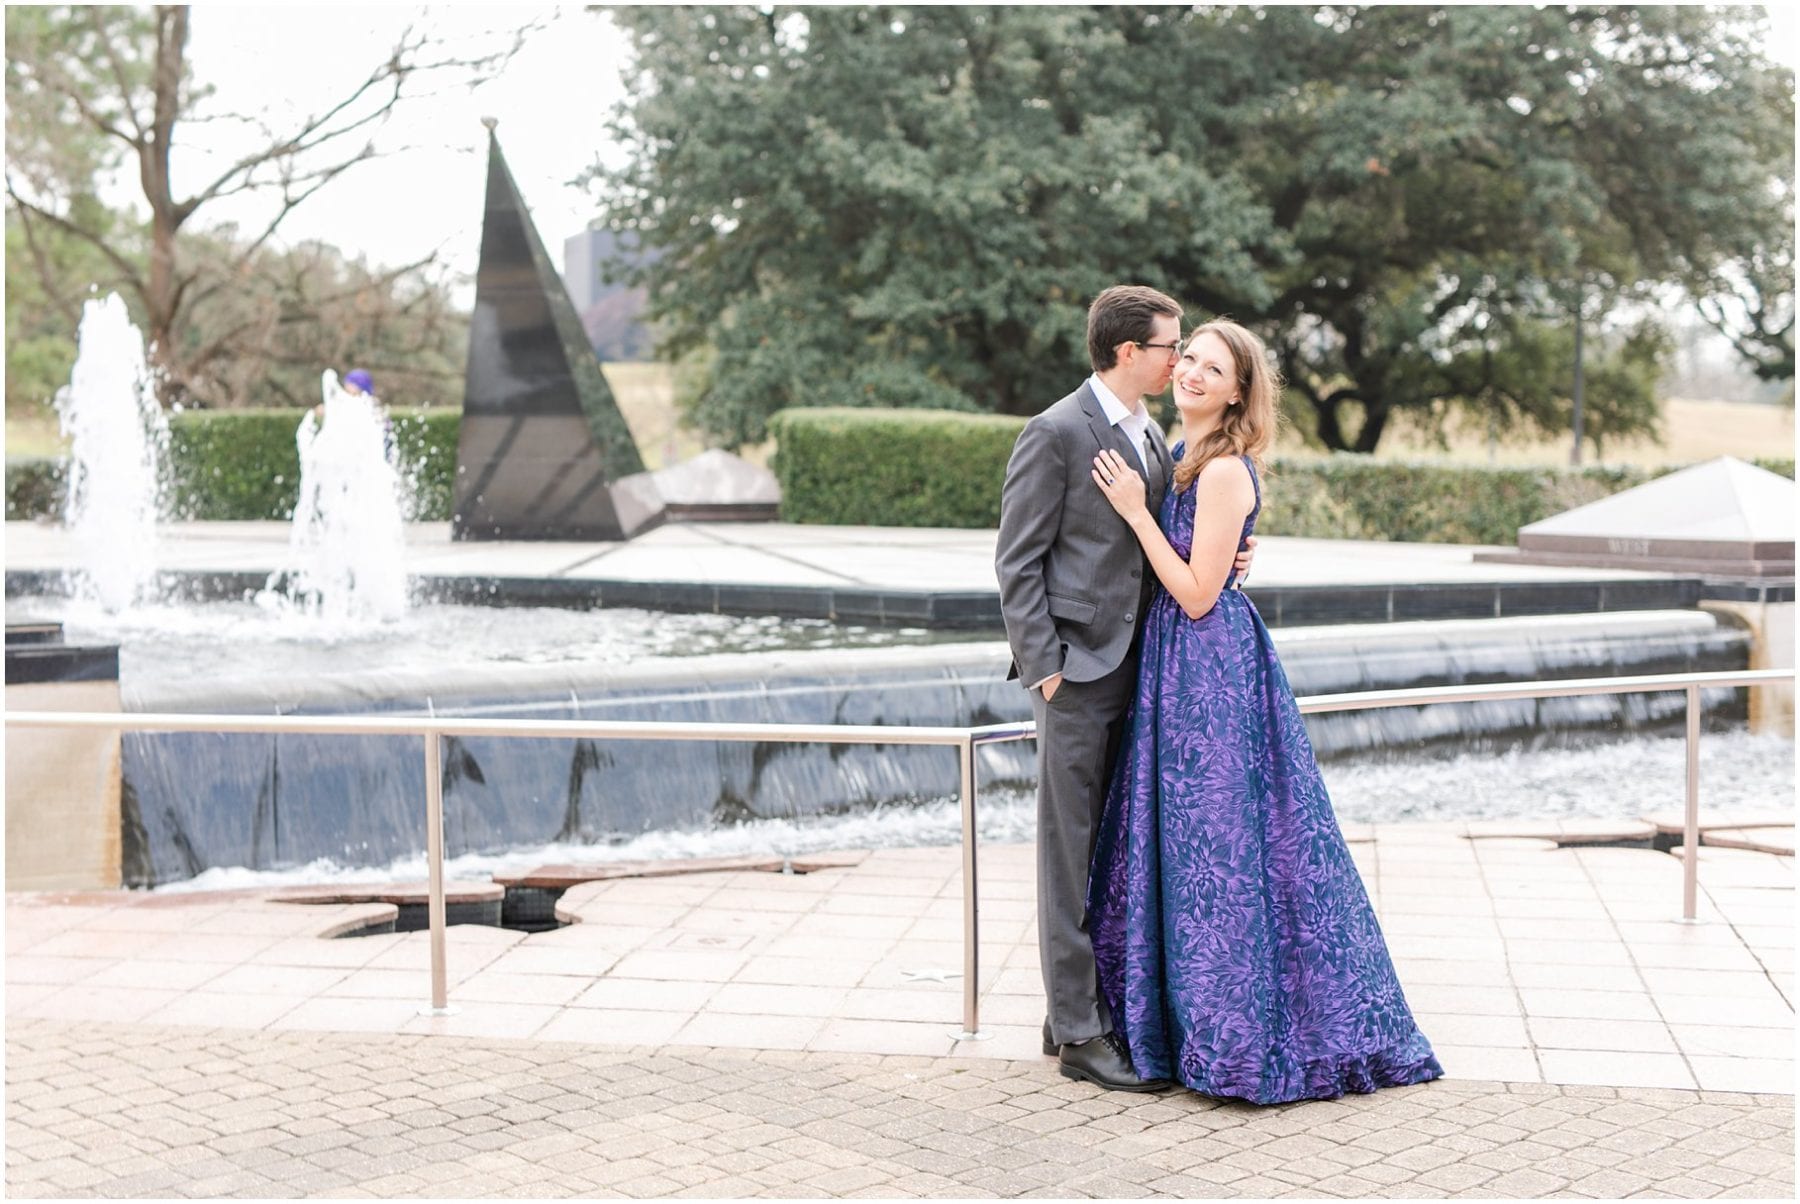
{"x": 1105, "y": 433}
{"x": 1156, "y": 479}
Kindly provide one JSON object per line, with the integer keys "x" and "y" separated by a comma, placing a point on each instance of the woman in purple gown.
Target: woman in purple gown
{"x": 1236, "y": 945}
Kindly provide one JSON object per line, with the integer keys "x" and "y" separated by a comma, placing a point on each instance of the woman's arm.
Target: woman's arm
{"x": 1223, "y": 498}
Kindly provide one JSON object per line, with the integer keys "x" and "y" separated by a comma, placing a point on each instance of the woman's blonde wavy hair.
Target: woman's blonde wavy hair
{"x": 1249, "y": 427}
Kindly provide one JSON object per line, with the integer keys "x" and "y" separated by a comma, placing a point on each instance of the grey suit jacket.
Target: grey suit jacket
{"x": 1073, "y": 580}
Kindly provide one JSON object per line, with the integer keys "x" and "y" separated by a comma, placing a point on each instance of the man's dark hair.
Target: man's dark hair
{"x": 1123, "y": 314}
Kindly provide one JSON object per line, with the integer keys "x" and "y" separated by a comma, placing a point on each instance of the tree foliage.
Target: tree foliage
{"x": 913, "y": 206}
{"x": 101, "y": 89}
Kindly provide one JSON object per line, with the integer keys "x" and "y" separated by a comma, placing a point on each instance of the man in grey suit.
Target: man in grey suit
{"x": 1073, "y": 587}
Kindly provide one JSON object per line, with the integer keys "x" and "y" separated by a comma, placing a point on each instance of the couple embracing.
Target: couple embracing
{"x": 1199, "y": 917}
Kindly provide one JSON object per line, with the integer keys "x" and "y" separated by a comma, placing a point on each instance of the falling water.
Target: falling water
{"x": 346, "y": 567}
{"x": 118, "y": 437}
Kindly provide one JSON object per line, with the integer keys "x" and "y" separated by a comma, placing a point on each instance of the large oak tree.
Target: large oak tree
{"x": 897, "y": 205}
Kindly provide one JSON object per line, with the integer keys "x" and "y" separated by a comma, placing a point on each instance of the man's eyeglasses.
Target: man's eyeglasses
{"x": 1174, "y": 349}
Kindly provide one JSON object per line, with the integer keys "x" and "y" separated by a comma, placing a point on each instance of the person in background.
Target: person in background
{"x": 359, "y": 383}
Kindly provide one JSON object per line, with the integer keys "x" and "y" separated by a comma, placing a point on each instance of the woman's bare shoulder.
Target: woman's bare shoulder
{"x": 1225, "y": 472}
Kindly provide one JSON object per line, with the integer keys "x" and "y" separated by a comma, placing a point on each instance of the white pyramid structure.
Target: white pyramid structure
{"x": 1720, "y": 518}
{"x": 716, "y": 486}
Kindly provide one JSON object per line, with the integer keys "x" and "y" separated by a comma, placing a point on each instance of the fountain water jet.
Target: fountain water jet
{"x": 347, "y": 547}
{"x": 118, "y": 438}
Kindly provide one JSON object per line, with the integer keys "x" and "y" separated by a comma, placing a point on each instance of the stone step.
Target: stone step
{"x": 1671, "y": 825}
{"x": 1779, "y": 841}
{"x": 464, "y": 903}
{"x": 1566, "y": 832}
{"x": 1674, "y": 821}
{"x": 400, "y": 894}
{"x": 562, "y": 877}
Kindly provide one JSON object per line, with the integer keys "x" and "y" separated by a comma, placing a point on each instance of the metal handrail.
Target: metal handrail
{"x": 964, "y": 740}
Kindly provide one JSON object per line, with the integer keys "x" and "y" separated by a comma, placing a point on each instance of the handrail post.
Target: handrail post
{"x": 971, "y": 1029}
{"x": 434, "y": 860}
{"x": 1690, "y": 837}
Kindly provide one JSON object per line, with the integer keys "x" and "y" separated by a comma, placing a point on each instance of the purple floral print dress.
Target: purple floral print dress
{"x": 1236, "y": 945}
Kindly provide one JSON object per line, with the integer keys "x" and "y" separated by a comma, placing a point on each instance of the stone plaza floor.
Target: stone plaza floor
{"x": 744, "y": 1033}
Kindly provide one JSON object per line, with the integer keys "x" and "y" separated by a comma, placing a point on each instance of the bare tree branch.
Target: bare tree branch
{"x": 319, "y": 131}
{"x": 292, "y": 200}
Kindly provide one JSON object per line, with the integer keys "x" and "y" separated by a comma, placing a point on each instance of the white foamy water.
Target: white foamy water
{"x": 1619, "y": 780}
{"x": 1607, "y": 780}
{"x": 1007, "y": 817}
{"x": 346, "y": 552}
{"x": 167, "y": 644}
{"x": 117, "y": 439}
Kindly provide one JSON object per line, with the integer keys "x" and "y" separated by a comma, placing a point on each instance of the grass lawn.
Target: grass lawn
{"x": 1692, "y": 431}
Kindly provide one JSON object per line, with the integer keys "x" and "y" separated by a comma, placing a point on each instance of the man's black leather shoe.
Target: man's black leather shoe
{"x": 1103, "y": 1061}
{"x": 1050, "y": 1045}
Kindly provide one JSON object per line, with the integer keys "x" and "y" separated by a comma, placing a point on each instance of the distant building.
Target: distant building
{"x": 610, "y": 311}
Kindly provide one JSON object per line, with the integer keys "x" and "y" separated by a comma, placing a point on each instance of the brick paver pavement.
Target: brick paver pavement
{"x": 140, "y": 1110}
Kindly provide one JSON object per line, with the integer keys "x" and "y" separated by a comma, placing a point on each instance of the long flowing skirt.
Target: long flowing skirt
{"x": 1236, "y": 945}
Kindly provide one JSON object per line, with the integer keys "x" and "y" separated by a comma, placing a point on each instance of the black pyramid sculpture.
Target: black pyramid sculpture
{"x": 544, "y": 451}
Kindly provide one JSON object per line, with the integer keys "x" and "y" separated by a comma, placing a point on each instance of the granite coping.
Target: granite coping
{"x": 901, "y": 576}
{"x": 1761, "y": 840}
{"x": 1673, "y": 822}
{"x": 407, "y": 894}
{"x": 561, "y": 877}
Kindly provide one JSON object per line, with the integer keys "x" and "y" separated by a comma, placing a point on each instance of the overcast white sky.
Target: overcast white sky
{"x": 552, "y": 103}
{"x": 289, "y": 60}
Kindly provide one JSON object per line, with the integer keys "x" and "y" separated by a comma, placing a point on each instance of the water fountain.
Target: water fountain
{"x": 325, "y": 639}
{"x": 118, "y": 438}
{"x": 274, "y": 802}
{"x": 347, "y": 546}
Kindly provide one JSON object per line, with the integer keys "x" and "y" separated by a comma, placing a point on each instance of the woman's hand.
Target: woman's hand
{"x": 1241, "y": 566}
{"x": 1120, "y": 483}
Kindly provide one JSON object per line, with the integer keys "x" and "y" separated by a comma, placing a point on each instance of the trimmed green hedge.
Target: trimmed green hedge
{"x": 869, "y": 467}
{"x": 34, "y": 487}
{"x": 230, "y": 465}
{"x": 891, "y": 468}
{"x": 1354, "y": 497}
{"x": 234, "y": 464}
{"x": 932, "y": 468}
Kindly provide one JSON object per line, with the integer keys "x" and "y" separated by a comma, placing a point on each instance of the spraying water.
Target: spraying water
{"x": 118, "y": 439}
{"x": 346, "y": 565}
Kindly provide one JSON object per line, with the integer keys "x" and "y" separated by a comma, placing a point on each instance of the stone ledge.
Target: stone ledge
{"x": 1779, "y": 841}
{"x": 1675, "y": 823}
{"x": 562, "y": 877}
{"x": 400, "y": 894}
{"x": 1567, "y": 832}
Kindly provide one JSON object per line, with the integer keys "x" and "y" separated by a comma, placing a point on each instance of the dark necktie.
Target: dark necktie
{"x": 1153, "y": 470}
